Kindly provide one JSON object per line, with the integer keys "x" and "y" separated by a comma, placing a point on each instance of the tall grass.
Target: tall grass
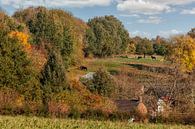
{"x": 22, "y": 122}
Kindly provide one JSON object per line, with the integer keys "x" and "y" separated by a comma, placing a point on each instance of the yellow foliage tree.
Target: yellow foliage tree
{"x": 22, "y": 37}
{"x": 183, "y": 53}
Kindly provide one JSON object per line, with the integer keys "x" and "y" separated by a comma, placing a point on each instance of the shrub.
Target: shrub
{"x": 11, "y": 101}
{"x": 102, "y": 83}
{"x": 58, "y": 109}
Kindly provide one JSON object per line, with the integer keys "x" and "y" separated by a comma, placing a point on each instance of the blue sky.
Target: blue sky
{"x": 146, "y": 18}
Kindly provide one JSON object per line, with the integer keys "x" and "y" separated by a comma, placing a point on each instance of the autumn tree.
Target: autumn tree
{"x": 192, "y": 33}
{"x": 183, "y": 53}
{"x": 56, "y": 28}
{"x": 183, "y": 58}
{"x": 16, "y": 70}
{"x": 131, "y": 48}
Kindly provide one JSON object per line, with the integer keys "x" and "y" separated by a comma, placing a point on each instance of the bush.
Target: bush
{"x": 58, "y": 109}
{"x": 11, "y": 101}
{"x": 102, "y": 83}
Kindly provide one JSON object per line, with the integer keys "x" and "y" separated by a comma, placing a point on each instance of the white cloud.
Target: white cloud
{"x": 56, "y": 3}
{"x": 149, "y": 7}
{"x": 141, "y": 34}
{"x": 188, "y": 11}
{"x": 169, "y": 33}
{"x": 174, "y": 2}
{"x": 129, "y": 15}
{"x": 151, "y": 20}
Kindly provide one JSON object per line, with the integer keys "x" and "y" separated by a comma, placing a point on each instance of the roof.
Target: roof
{"x": 126, "y": 105}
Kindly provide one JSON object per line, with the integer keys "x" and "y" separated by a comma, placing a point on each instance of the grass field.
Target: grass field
{"x": 21, "y": 122}
{"x": 117, "y": 62}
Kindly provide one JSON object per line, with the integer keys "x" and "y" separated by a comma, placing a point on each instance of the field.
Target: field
{"x": 116, "y": 64}
{"x": 20, "y": 122}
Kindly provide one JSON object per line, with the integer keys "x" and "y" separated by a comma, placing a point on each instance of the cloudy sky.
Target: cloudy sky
{"x": 146, "y": 18}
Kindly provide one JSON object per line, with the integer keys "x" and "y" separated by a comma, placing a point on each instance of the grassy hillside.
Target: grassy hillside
{"x": 20, "y": 122}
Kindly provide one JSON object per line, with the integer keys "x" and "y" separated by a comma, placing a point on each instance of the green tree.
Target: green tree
{"x": 106, "y": 36}
{"x": 161, "y": 46}
{"x": 144, "y": 46}
{"x": 103, "y": 83}
{"x": 53, "y": 76}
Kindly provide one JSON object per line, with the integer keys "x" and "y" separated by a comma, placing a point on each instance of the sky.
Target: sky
{"x": 146, "y": 18}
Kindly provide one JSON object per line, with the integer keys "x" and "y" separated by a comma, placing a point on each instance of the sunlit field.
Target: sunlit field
{"x": 21, "y": 122}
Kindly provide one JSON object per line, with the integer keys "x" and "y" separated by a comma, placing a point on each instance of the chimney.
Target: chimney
{"x": 140, "y": 99}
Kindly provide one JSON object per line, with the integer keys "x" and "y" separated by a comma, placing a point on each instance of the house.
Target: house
{"x": 135, "y": 107}
{"x": 164, "y": 104}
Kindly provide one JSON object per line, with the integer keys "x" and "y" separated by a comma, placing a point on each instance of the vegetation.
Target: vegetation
{"x": 55, "y": 29}
{"x": 40, "y": 123}
{"x": 192, "y": 33}
{"x": 42, "y": 61}
{"x": 18, "y": 73}
{"x": 145, "y": 47}
{"x": 53, "y": 78}
{"x": 106, "y": 36}
{"x": 183, "y": 52}
{"x": 102, "y": 83}
{"x": 161, "y": 46}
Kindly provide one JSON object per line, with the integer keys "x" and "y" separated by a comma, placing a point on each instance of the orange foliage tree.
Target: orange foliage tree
{"x": 22, "y": 37}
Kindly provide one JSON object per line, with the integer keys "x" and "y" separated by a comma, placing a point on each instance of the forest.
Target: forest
{"x": 44, "y": 54}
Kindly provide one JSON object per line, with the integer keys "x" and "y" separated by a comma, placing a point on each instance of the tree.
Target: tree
{"x": 55, "y": 28}
{"x": 144, "y": 46}
{"x": 131, "y": 48}
{"x": 160, "y": 46}
{"x": 192, "y": 33}
{"x": 53, "y": 78}
{"x": 16, "y": 70}
{"x": 183, "y": 53}
{"x": 106, "y": 36}
{"x": 103, "y": 83}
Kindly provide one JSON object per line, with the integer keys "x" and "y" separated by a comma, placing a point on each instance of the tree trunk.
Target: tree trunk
{"x": 144, "y": 55}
